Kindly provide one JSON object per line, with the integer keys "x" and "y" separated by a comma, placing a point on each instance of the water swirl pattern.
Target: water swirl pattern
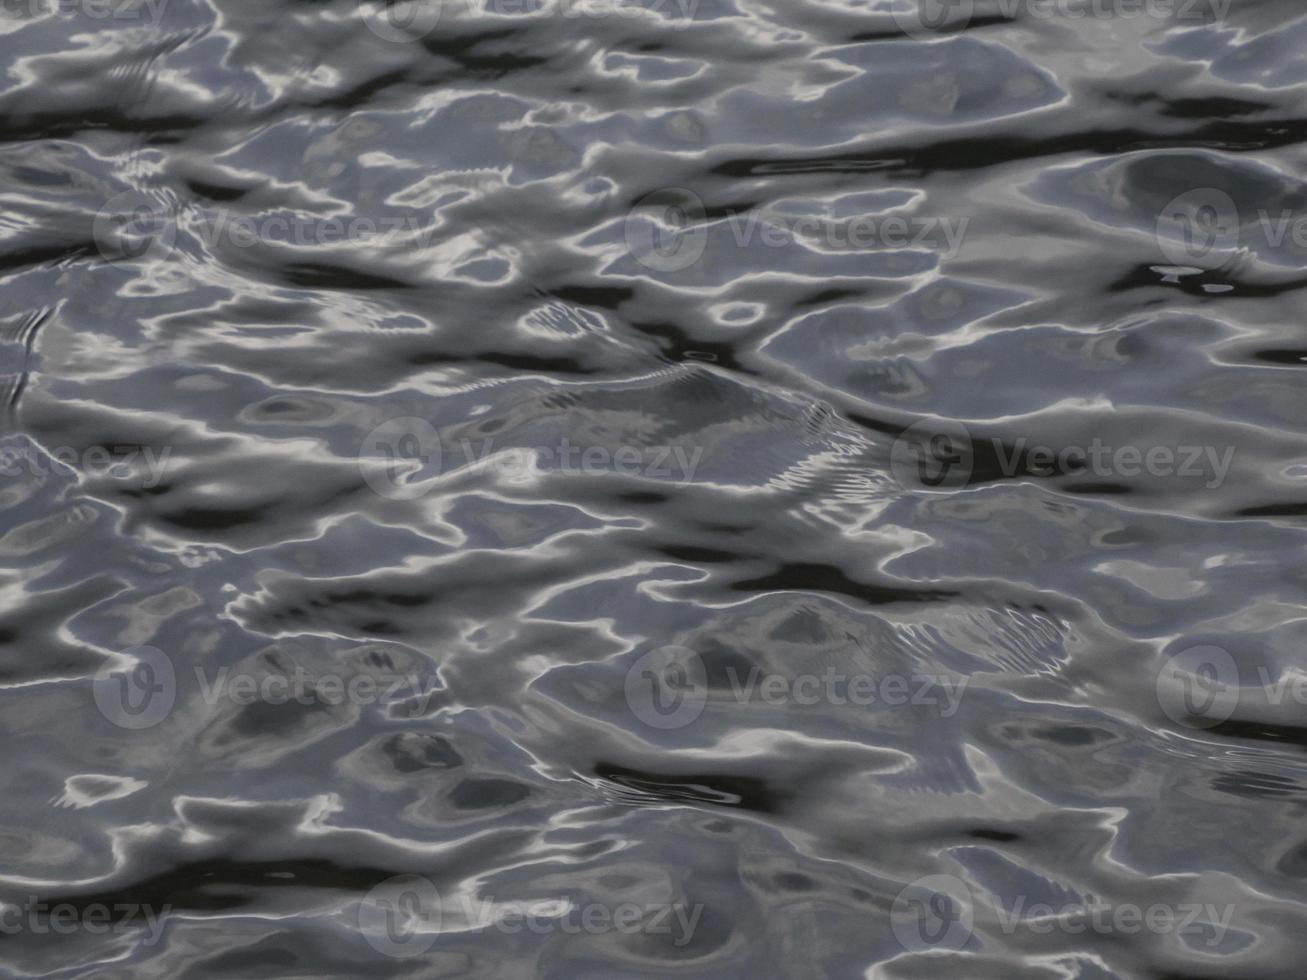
{"x": 609, "y": 489}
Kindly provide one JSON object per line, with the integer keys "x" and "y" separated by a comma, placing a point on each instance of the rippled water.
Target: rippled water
{"x": 698, "y": 488}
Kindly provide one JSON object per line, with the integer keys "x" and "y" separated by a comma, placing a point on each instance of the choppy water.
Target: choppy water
{"x": 733, "y": 489}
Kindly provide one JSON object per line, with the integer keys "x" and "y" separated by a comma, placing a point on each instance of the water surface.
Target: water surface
{"x": 827, "y": 479}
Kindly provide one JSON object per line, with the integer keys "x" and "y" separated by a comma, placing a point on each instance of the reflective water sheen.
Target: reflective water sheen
{"x": 689, "y": 488}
